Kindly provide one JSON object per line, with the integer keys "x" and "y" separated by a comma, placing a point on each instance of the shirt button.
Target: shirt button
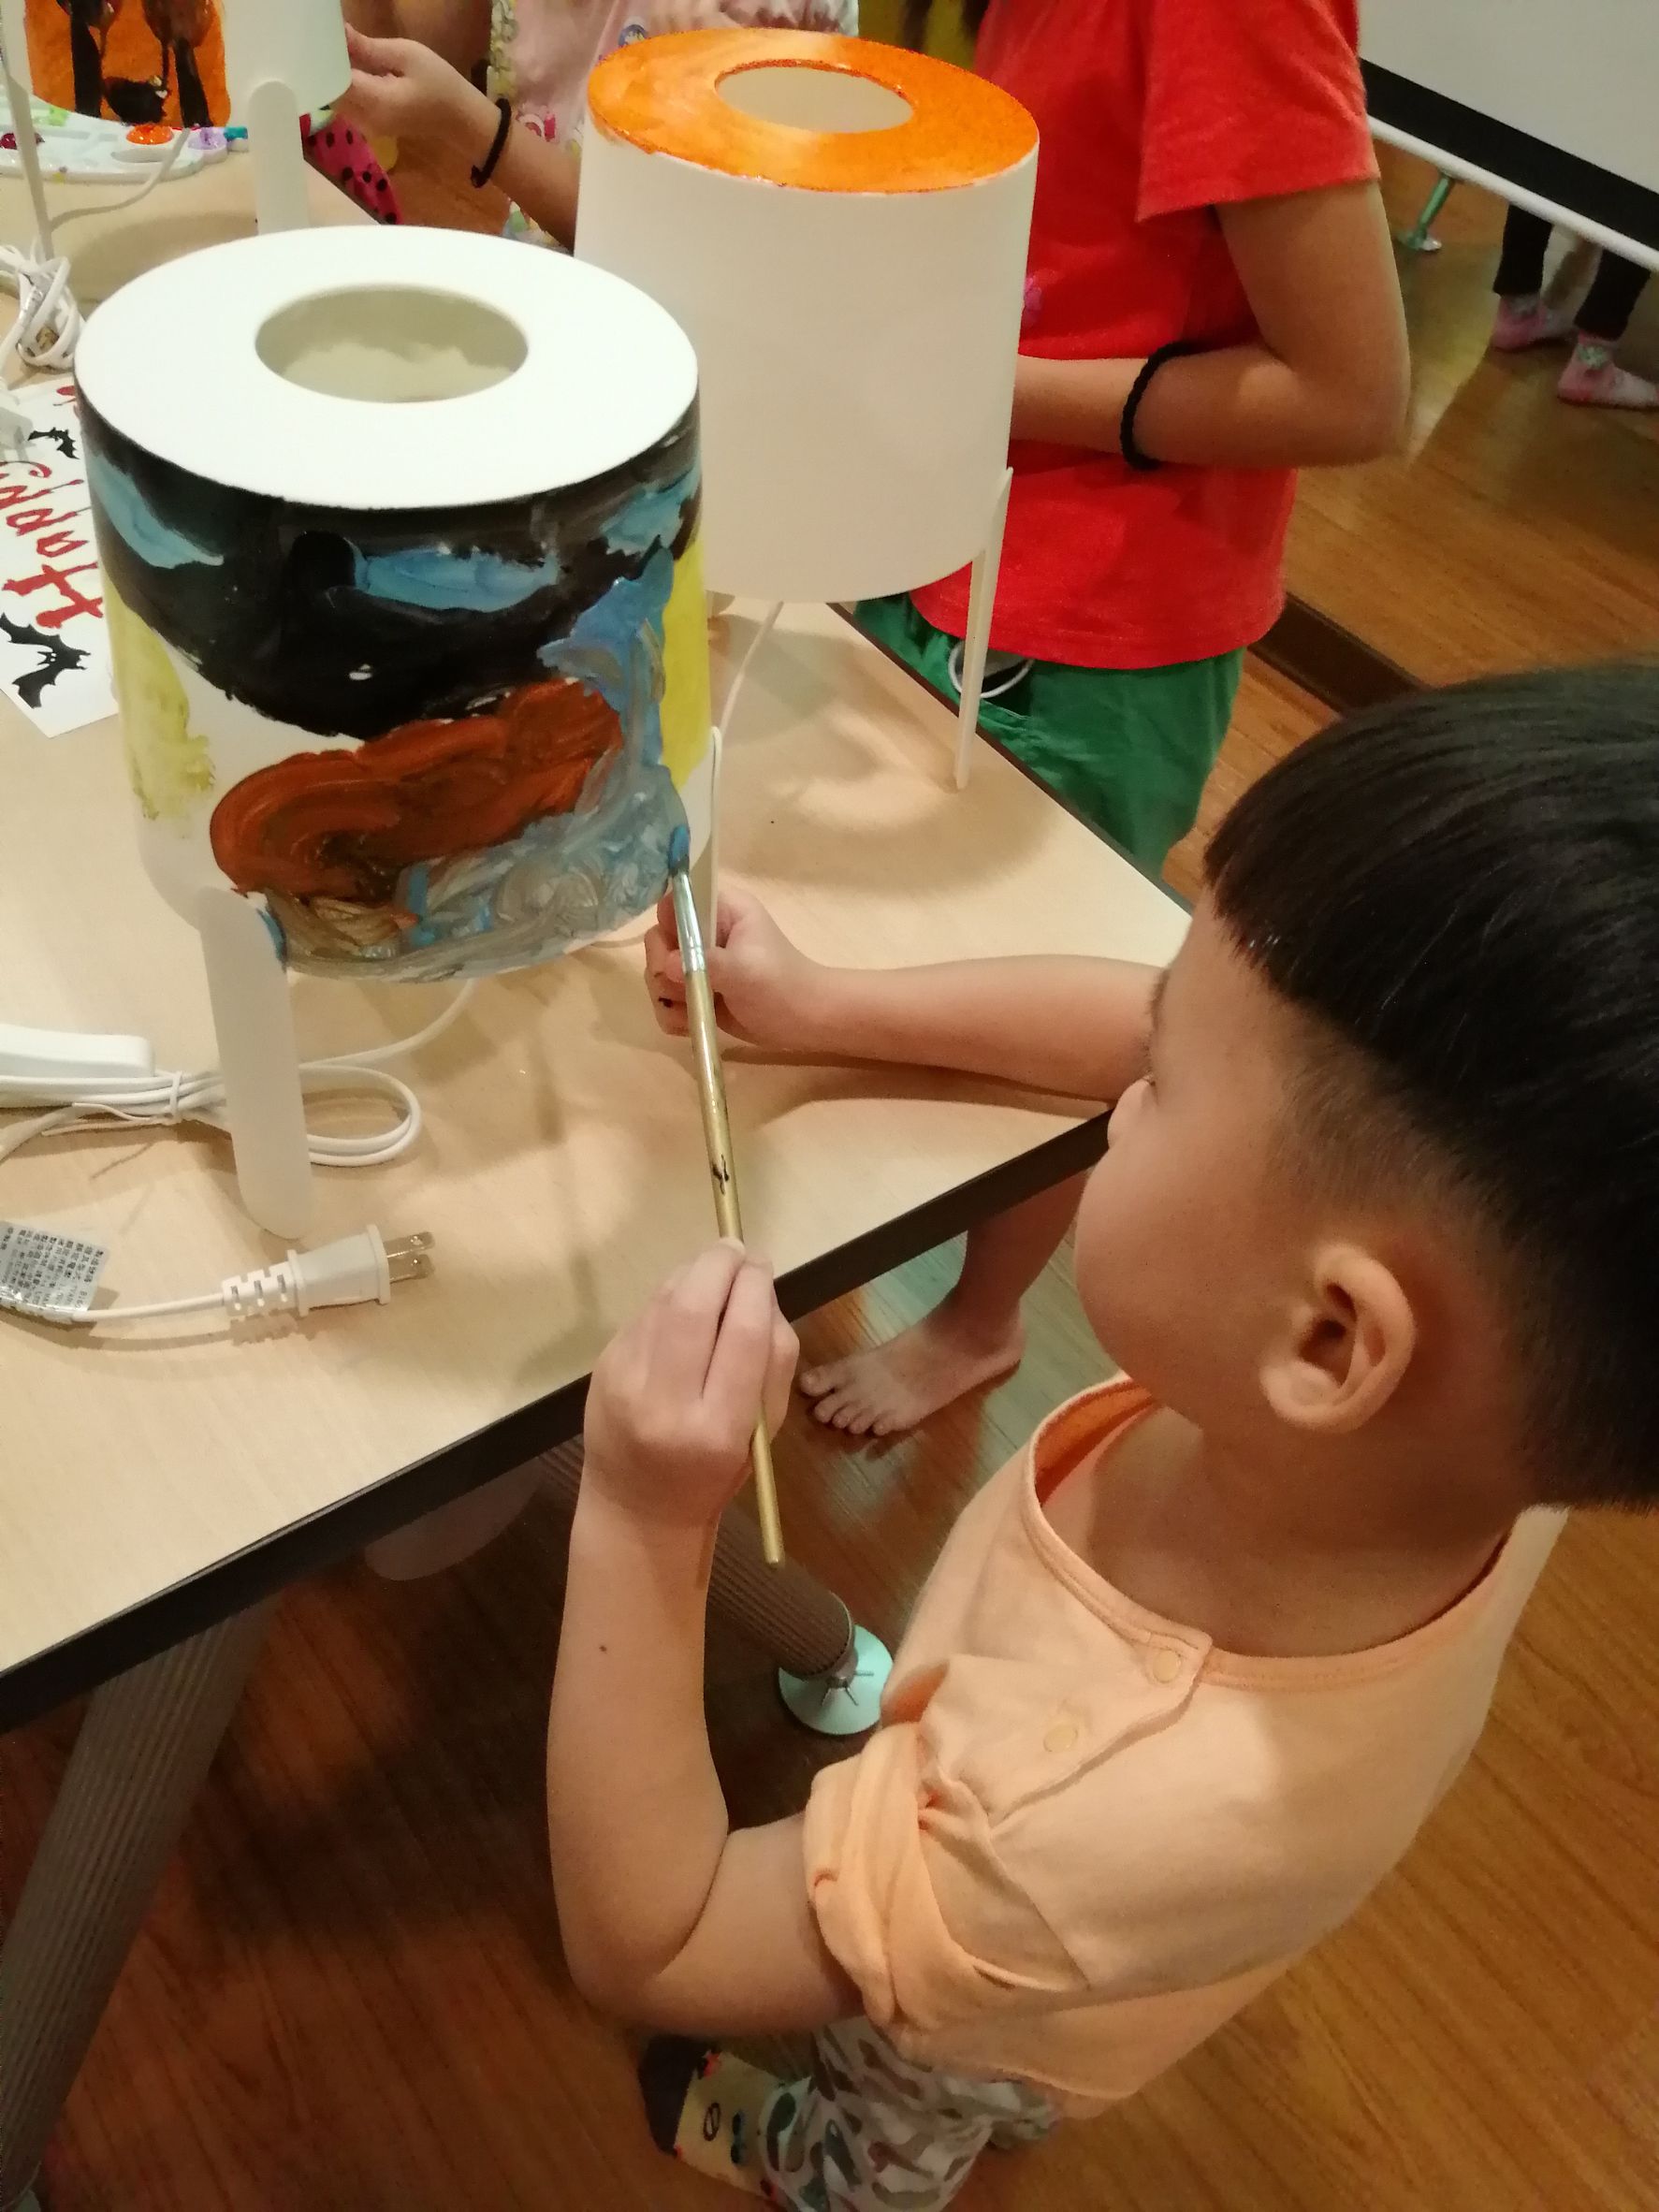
{"x": 1061, "y": 1736}
{"x": 1164, "y": 1664}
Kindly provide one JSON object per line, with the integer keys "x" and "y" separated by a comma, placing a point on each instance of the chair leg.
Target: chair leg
{"x": 144, "y": 1748}
{"x": 1417, "y": 239}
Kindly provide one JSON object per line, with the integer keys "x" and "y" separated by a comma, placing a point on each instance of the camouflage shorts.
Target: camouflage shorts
{"x": 869, "y": 2132}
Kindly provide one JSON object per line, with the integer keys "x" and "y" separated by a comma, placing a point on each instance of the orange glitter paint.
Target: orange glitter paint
{"x": 663, "y": 95}
{"x": 150, "y": 134}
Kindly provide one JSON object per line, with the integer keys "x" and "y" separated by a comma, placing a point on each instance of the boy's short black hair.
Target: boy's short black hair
{"x": 1463, "y": 888}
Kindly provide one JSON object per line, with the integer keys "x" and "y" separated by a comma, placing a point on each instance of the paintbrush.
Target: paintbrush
{"x": 716, "y": 1137}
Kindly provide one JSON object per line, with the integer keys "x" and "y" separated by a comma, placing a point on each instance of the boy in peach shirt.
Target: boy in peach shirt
{"x": 1379, "y": 1239}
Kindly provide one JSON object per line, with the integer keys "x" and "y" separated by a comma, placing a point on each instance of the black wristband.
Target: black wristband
{"x": 1133, "y": 456}
{"x": 486, "y": 168}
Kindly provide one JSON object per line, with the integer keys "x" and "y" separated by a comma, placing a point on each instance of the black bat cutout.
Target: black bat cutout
{"x": 63, "y": 439}
{"x": 58, "y": 659}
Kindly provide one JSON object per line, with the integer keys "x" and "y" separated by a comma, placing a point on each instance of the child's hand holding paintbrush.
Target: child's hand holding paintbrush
{"x": 677, "y": 1396}
{"x": 765, "y": 991}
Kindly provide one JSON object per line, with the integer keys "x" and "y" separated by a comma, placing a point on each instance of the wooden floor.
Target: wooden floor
{"x": 1513, "y": 529}
{"x": 349, "y": 1997}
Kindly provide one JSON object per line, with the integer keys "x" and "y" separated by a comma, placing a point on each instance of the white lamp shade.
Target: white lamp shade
{"x": 300, "y": 43}
{"x": 841, "y": 229}
{"x": 404, "y": 594}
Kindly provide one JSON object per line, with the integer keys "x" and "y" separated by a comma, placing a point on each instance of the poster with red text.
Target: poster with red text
{"x": 54, "y": 645}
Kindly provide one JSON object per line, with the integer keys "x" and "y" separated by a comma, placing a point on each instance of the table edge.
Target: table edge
{"x": 325, "y": 1538}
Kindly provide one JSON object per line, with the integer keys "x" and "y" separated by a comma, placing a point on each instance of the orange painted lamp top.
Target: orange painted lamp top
{"x": 663, "y": 95}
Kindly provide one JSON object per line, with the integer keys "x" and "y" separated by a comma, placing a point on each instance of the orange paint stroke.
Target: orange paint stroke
{"x": 663, "y": 94}
{"x": 344, "y": 825}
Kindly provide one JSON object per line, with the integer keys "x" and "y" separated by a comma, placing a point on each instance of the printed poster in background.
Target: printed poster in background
{"x": 54, "y": 644}
{"x": 160, "y": 62}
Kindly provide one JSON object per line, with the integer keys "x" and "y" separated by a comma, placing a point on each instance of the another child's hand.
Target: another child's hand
{"x": 401, "y": 89}
{"x": 677, "y": 1393}
{"x": 766, "y": 992}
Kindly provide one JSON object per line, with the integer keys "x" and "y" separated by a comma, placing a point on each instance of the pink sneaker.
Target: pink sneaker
{"x": 1526, "y": 322}
{"x": 1594, "y": 379}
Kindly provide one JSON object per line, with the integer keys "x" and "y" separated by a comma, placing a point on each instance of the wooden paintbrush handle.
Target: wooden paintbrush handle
{"x": 722, "y": 1173}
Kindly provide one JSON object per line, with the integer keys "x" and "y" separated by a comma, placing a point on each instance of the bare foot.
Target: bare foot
{"x": 898, "y": 1384}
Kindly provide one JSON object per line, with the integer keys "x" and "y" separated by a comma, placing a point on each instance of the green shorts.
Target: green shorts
{"x": 1130, "y": 750}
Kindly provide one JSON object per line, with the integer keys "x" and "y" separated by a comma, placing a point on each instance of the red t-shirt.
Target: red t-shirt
{"x": 1152, "y": 112}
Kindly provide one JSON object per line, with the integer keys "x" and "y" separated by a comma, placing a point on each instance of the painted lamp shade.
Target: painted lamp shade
{"x": 423, "y": 674}
{"x": 841, "y": 229}
{"x": 189, "y": 61}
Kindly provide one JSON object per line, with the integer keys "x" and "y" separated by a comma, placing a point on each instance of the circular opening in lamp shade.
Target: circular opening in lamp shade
{"x": 810, "y": 97}
{"x": 391, "y": 343}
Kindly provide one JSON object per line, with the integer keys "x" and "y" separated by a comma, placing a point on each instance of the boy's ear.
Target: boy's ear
{"x": 1344, "y": 1345}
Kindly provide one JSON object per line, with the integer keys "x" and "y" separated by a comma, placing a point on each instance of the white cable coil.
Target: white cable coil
{"x": 46, "y": 327}
{"x": 166, "y": 1098}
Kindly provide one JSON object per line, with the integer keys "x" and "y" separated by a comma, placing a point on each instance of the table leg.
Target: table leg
{"x": 802, "y": 1626}
{"x": 143, "y": 1750}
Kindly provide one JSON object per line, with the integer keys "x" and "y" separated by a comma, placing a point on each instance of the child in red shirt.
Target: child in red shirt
{"x": 1205, "y": 180}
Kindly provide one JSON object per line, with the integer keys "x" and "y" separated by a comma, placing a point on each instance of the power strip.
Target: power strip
{"x": 52, "y": 1058}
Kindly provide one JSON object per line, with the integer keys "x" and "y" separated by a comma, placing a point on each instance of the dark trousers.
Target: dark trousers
{"x": 1611, "y": 299}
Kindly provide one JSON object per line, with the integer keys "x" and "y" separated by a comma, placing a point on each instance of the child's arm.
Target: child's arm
{"x": 401, "y": 89}
{"x": 666, "y": 1915}
{"x": 1077, "y": 1026}
{"x": 1327, "y": 382}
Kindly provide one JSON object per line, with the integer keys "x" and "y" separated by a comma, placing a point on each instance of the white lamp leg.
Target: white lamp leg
{"x": 254, "y": 1024}
{"x": 981, "y": 594}
{"x": 278, "y": 159}
{"x": 14, "y": 49}
{"x": 15, "y": 425}
{"x": 706, "y": 868}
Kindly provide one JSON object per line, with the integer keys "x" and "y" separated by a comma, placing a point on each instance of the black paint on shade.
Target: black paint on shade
{"x": 275, "y": 620}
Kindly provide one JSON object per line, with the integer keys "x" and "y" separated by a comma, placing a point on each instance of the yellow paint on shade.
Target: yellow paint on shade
{"x": 170, "y": 766}
{"x": 685, "y": 668}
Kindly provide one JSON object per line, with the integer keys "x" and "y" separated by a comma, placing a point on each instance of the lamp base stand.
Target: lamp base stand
{"x": 259, "y": 1062}
{"x": 981, "y": 594}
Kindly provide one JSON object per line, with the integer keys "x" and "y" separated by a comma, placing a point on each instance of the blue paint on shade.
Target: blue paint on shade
{"x": 651, "y": 517}
{"x": 155, "y": 543}
{"x": 615, "y": 619}
{"x": 566, "y": 878}
{"x": 434, "y": 576}
{"x": 615, "y": 647}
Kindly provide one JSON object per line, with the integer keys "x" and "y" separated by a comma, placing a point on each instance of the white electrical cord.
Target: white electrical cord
{"x": 166, "y": 1098}
{"x": 46, "y": 327}
{"x": 768, "y": 622}
{"x": 354, "y": 1271}
{"x": 345, "y": 1273}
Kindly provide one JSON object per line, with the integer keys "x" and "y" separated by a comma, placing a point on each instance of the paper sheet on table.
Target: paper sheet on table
{"x": 54, "y": 643}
